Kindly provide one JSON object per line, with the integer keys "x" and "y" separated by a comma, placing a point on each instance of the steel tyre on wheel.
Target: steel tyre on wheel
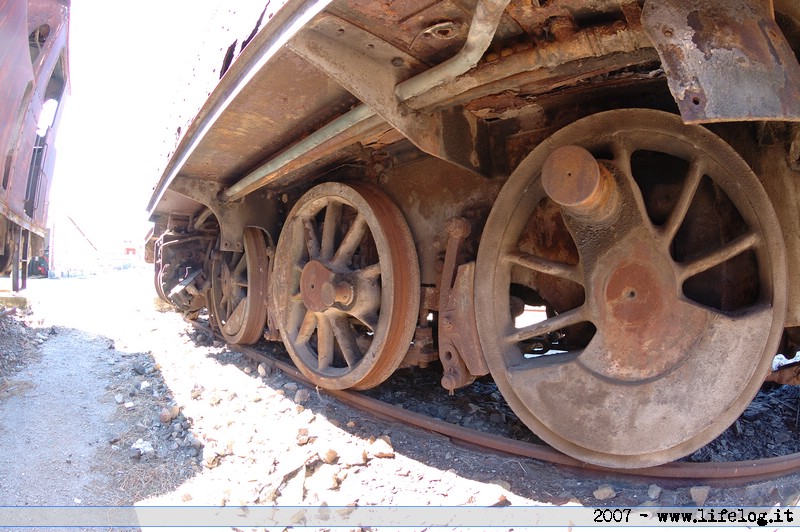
{"x": 346, "y": 292}
{"x": 662, "y": 264}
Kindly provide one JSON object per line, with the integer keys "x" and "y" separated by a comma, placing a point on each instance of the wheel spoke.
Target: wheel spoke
{"x": 351, "y": 241}
{"x": 325, "y": 341}
{"x": 622, "y": 154}
{"x": 719, "y": 256}
{"x": 310, "y": 235}
{"x": 370, "y": 320}
{"x": 346, "y": 340}
{"x": 547, "y": 267}
{"x": 236, "y": 317}
{"x": 333, "y": 217}
{"x": 370, "y": 273}
{"x": 240, "y": 265}
{"x": 565, "y": 319}
{"x": 307, "y": 328}
{"x": 678, "y": 214}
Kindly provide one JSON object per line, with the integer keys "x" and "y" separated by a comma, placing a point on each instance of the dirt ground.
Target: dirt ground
{"x": 107, "y": 399}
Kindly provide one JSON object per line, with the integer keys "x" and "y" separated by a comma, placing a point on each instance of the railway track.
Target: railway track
{"x": 718, "y": 474}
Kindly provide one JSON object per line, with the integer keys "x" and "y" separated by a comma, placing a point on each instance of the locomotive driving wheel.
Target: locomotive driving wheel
{"x": 661, "y": 260}
{"x": 239, "y": 282}
{"x": 346, "y": 291}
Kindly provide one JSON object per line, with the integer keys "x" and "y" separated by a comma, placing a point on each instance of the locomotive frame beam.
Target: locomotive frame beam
{"x": 372, "y": 70}
{"x": 251, "y": 211}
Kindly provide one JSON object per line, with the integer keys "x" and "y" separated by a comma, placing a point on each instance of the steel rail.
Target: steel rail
{"x": 716, "y": 474}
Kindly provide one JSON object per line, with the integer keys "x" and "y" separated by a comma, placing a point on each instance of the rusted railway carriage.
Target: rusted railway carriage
{"x": 384, "y": 184}
{"x": 33, "y": 81}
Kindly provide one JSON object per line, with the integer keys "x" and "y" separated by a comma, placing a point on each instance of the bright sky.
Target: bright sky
{"x": 127, "y": 64}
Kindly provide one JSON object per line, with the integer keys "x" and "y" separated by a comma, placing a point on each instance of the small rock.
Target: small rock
{"x": 119, "y": 399}
{"x": 502, "y": 483}
{"x": 302, "y": 437}
{"x": 144, "y": 385}
{"x": 111, "y": 361}
{"x": 165, "y": 416}
{"x": 210, "y": 458}
{"x": 197, "y": 391}
{"x": 175, "y": 411}
{"x": 654, "y": 492}
{"x": 215, "y": 399}
{"x": 144, "y": 447}
{"x": 290, "y": 387}
{"x": 53, "y": 330}
{"x": 324, "y": 478}
{"x": 497, "y": 418}
{"x": 263, "y": 370}
{"x": 381, "y": 448}
{"x": 604, "y": 492}
{"x": 329, "y": 456}
{"x": 129, "y": 405}
{"x": 302, "y": 396}
{"x": 352, "y": 456}
{"x": 248, "y": 370}
{"x": 139, "y": 368}
{"x": 111, "y": 344}
{"x": 351, "y": 424}
{"x": 699, "y": 494}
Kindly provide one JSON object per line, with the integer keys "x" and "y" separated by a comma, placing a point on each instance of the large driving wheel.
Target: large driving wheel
{"x": 346, "y": 292}
{"x": 661, "y": 263}
{"x": 239, "y": 282}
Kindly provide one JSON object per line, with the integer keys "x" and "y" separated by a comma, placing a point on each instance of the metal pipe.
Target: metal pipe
{"x": 481, "y": 32}
{"x": 250, "y": 182}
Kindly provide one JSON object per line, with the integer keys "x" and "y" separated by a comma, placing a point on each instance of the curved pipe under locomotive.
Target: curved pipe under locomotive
{"x": 592, "y": 201}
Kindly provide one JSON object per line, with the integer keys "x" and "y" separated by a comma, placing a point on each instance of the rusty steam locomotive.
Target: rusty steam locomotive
{"x": 592, "y": 201}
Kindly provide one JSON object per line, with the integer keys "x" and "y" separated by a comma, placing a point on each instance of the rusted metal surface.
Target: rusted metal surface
{"x": 654, "y": 347}
{"x": 459, "y": 346}
{"x": 345, "y": 290}
{"x": 258, "y": 210}
{"x": 725, "y": 60}
{"x": 239, "y": 291}
{"x": 451, "y": 134}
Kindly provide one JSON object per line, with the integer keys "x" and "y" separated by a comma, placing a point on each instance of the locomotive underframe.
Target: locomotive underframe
{"x": 417, "y": 116}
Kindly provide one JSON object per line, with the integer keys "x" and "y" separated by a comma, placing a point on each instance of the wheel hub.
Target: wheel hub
{"x": 321, "y": 288}
{"x": 636, "y": 300}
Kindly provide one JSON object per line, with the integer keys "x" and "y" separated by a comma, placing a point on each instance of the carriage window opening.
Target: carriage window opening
{"x": 47, "y": 117}
{"x": 37, "y": 39}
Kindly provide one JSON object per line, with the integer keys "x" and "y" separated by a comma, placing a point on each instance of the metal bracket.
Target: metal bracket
{"x": 250, "y": 211}
{"x": 459, "y": 345}
{"x": 371, "y": 68}
{"x": 725, "y": 60}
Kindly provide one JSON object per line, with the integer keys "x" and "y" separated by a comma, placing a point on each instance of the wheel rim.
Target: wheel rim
{"x": 239, "y": 289}
{"x": 346, "y": 292}
{"x": 668, "y": 315}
